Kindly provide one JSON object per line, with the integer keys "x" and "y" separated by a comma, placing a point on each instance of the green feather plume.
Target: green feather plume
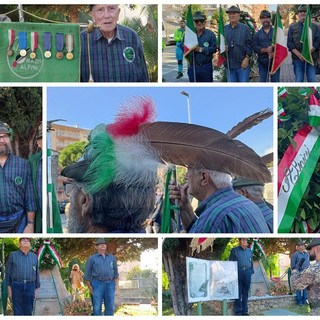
{"x": 102, "y": 152}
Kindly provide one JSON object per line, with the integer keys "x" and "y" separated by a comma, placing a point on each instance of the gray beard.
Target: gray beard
{"x": 75, "y": 222}
{"x": 4, "y": 150}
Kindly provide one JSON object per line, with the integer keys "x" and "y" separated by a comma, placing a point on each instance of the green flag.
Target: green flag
{"x": 306, "y": 38}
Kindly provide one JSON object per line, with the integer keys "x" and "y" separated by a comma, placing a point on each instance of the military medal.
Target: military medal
{"x": 34, "y": 44}
{"x": 69, "y": 46}
{"x": 47, "y": 44}
{"x": 23, "y": 43}
{"x": 11, "y": 34}
{"x": 59, "y": 45}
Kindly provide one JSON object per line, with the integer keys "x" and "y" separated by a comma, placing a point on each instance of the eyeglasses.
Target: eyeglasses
{"x": 199, "y": 21}
{"x": 4, "y": 137}
{"x": 25, "y": 239}
{"x": 68, "y": 188}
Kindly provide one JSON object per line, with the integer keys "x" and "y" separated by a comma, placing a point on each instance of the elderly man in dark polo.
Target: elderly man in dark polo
{"x": 22, "y": 275}
{"x": 102, "y": 275}
{"x": 200, "y": 69}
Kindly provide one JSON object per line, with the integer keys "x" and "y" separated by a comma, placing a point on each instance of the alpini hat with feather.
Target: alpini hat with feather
{"x": 128, "y": 151}
{"x": 117, "y": 153}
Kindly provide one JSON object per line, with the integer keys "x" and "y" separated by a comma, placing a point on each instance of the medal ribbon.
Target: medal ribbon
{"x": 69, "y": 42}
{"x": 59, "y": 41}
{"x": 47, "y": 41}
{"x": 23, "y": 40}
{"x": 34, "y": 41}
{"x": 294, "y": 173}
{"x": 11, "y": 37}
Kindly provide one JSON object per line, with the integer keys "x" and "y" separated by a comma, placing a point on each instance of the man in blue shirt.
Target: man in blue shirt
{"x": 253, "y": 190}
{"x": 262, "y": 45}
{"x": 296, "y": 263}
{"x": 300, "y": 66}
{"x": 102, "y": 276}
{"x": 114, "y": 53}
{"x": 221, "y": 209}
{"x": 239, "y": 47}
{"x": 23, "y": 280}
{"x": 200, "y": 68}
{"x": 17, "y": 205}
{"x": 243, "y": 255}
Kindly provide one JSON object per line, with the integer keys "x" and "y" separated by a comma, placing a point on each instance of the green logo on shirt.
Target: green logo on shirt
{"x": 129, "y": 54}
{"x": 18, "y": 181}
{"x": 206, "y": 44}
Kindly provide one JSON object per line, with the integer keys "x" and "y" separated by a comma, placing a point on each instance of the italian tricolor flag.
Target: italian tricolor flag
{"x": 190, "y": 38}
{"x": 306, "y": 38}
{"x": 294, "y": 173}
{"x": 282, "y": 116}
{"x": 282, "y": 92}
{"x": 221, "y": 41}
{"x": 280, "y": 52}
{"x": 314, "y": 111}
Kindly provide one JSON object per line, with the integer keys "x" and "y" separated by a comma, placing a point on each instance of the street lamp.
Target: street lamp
{"x": 188, "y": 101}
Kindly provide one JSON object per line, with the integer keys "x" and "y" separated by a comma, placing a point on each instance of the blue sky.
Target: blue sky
{"x": 220, "y": 108}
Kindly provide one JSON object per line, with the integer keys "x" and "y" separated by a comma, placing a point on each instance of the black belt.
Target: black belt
{"x": 102, "y": 279}
{"x": 23, "y": 281}
{"x": 244, "y": 268}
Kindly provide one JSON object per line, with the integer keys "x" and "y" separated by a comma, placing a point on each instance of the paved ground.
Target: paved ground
{"x": 279, "y": 312}
{"x": 169, "y": 68}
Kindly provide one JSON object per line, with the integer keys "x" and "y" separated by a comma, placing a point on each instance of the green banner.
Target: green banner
{"x": 57, "y": 68}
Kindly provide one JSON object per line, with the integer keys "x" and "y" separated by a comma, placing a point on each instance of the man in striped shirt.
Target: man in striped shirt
{"x": 22, "y": 274}
{"x": 243, "y": 255}
{"x": 114, "y": 53}
{"x": 253, "y": 190}
{"x": 102, "y": 276}
{"x": 221, "y": 209}
{"x": 17, "y": 205}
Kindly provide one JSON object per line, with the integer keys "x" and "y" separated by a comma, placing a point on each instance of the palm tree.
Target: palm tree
{"x": 148, "y": 34}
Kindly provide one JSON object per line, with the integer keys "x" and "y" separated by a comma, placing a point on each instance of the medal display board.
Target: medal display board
{"x": 39, "y": 52}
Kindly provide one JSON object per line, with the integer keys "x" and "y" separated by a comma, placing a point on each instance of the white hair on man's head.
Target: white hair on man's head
{"x": 220, "y": 179}
{"x": 255, "y": 191}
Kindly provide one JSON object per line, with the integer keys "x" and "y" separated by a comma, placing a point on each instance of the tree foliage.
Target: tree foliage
{"x": 296, "y": 106}
{"x": 136, "y": 273}
{"x": 21, "y": 109}
{"x": 71, "y": 153}
{"x": 148, "y": 34}
{"x": 126, "y": 249}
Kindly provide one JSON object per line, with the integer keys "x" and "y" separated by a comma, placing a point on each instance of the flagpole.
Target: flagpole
{"x": 268, "y": 74}
{"x": 305, "y": 71}
{"x": 194, "y": 66}
{"x": 228, "y": 67}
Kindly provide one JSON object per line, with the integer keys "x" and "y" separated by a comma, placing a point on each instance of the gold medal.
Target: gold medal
{"x": 32, "y": 55}
{"x": 23, "y": 53}
{"x": 10, "y": 52}
{"x": 47, "y": 54}
{"x": 69, "y": 55}
{"x": 59, "y": 55}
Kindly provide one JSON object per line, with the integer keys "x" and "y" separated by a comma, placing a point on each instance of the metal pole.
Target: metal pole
{"x": 189, "y": 116}
{"x": 21, "y": 16}
{"x": 224, "y": 307}
{"x": 199, "y": 309}
{"x": 188, "y": 104}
